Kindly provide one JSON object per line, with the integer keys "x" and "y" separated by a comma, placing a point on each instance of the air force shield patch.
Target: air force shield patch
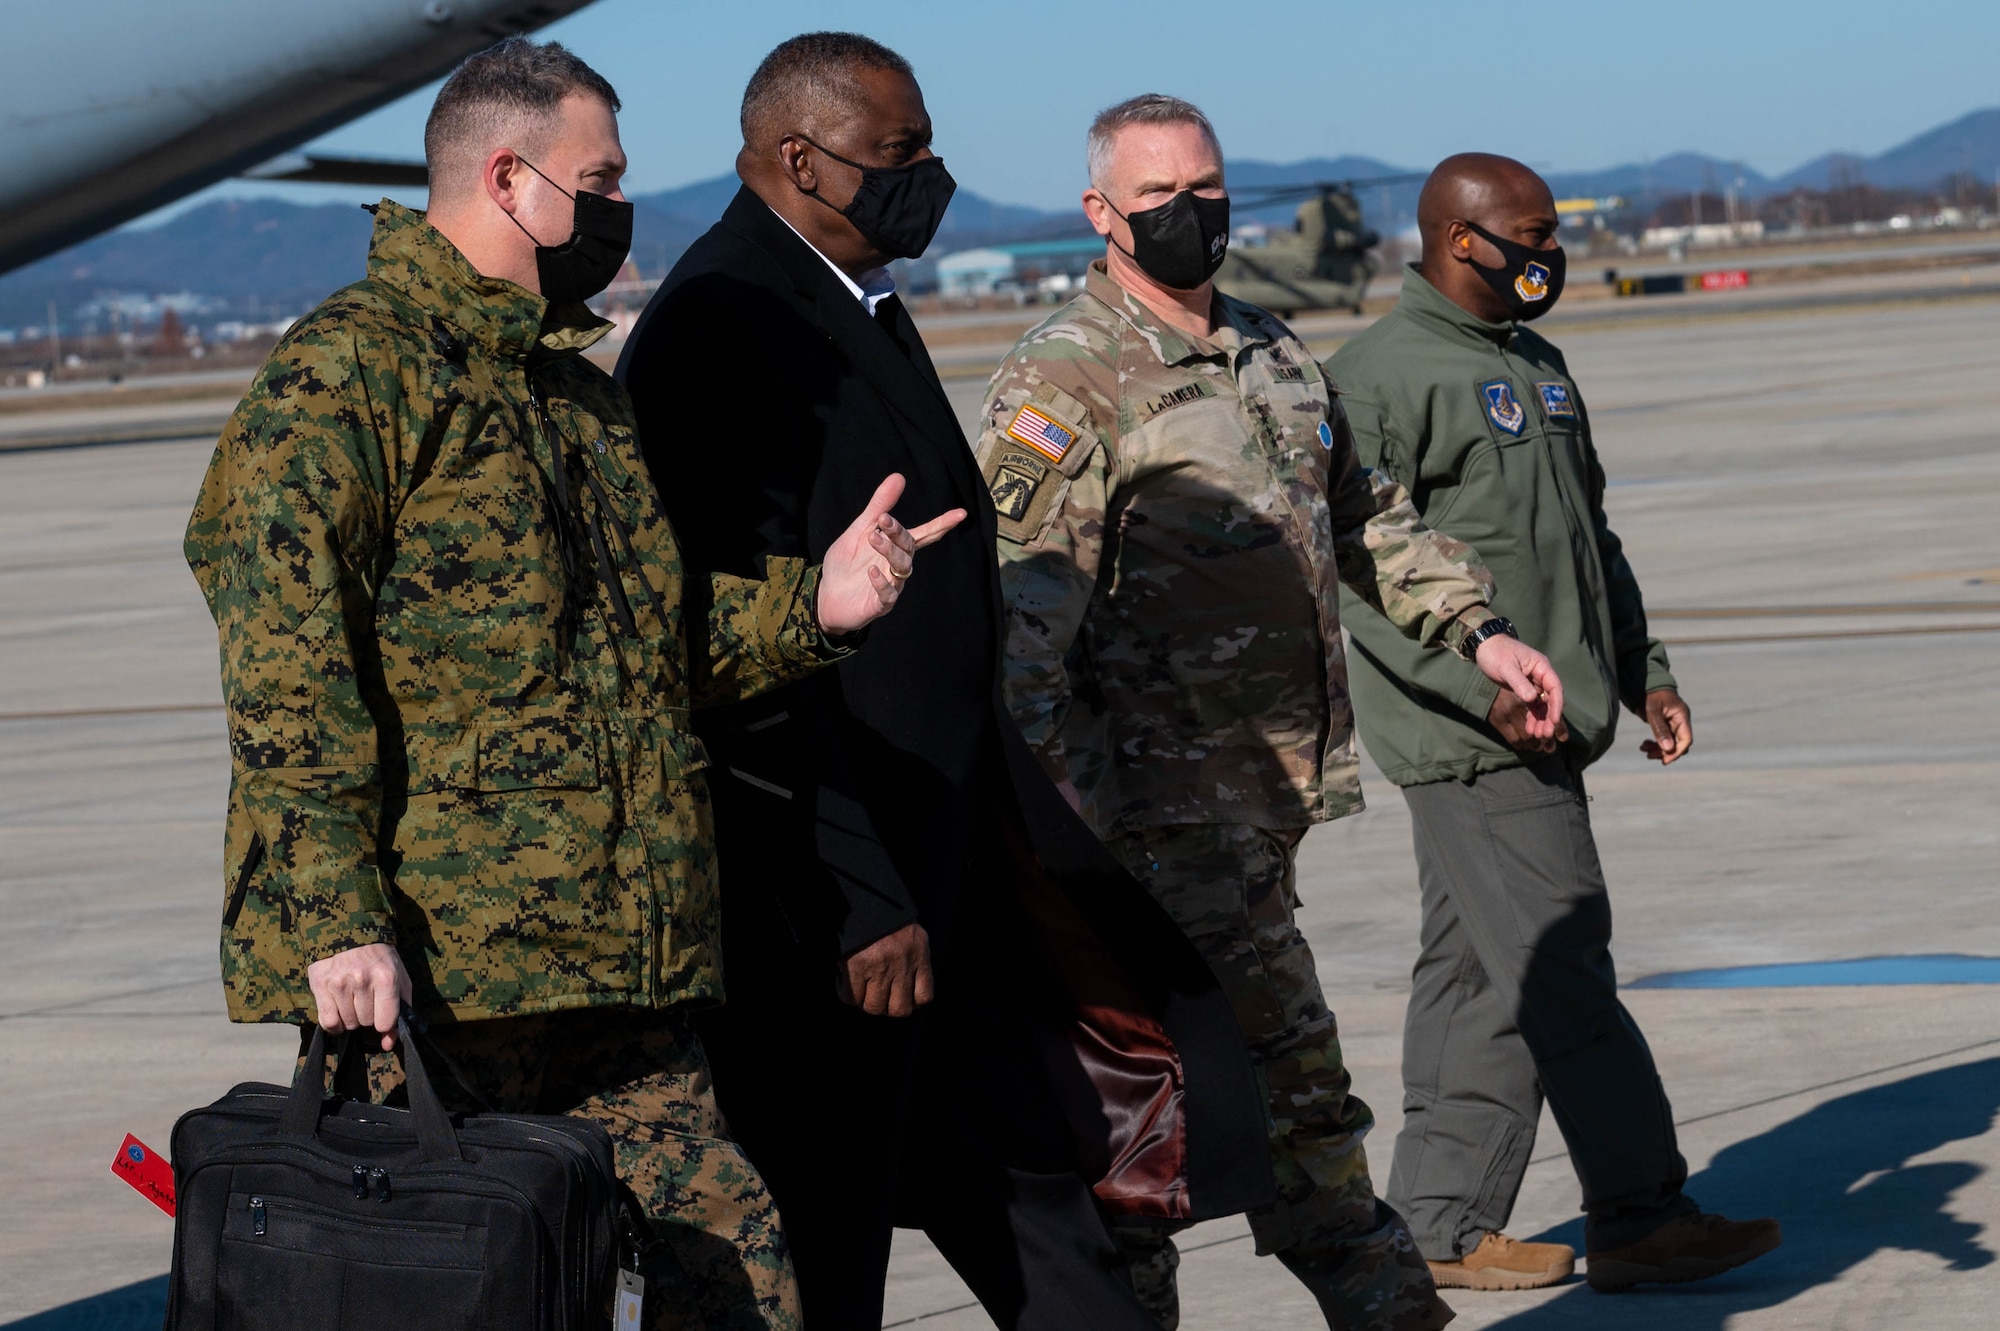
{"x": 1556, "y": 400}
{"x": 1533, "y": 283}
{"x": 1501, "y": 406}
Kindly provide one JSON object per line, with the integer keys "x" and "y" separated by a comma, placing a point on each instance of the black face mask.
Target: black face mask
{"x": 1181, "y": 243}
{"x": 600, "y": 238}
{"x": 897, "y": 209}
{"x": 1529, "y": 281}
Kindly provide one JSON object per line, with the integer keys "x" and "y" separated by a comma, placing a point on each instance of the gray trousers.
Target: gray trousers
{"x": 1513, "y": 998}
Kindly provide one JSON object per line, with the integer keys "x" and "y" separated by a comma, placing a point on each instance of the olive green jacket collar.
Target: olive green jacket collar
{"x": 409, "y": 254}
{"x": 1439, "y": 313}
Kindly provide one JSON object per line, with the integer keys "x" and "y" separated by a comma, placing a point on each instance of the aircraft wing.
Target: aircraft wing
{"x": 112, "y": 108}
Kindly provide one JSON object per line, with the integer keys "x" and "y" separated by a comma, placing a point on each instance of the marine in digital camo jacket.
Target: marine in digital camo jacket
{"x": 457, "y": 675}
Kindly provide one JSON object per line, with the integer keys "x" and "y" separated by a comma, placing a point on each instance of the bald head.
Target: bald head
{"x": 1483, "y": 188}
{"x": 1470, "y": 193}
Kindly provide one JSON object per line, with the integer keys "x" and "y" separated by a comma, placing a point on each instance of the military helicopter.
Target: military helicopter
{"x": 1323, "y": 263}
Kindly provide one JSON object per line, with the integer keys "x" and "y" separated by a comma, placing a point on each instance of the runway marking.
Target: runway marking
{"x": 1826, "y": 611}
{"x": 83, "y": 712}
{"x": 1975, "y": 575}
{"x": 1754, "y": 391}
{"x": 56, "y": 1009}
{"x": 1927, "y": 631}
{"x": 152, "y": 434}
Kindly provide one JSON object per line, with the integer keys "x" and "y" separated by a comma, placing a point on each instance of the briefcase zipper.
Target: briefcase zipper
{"x": 261, "y": 1208}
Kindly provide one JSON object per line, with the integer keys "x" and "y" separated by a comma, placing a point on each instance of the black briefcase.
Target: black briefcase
{"x": 295, "y": 1213}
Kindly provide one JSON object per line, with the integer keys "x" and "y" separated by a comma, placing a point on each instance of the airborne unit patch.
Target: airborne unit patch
{"x": 1013, "y": 490}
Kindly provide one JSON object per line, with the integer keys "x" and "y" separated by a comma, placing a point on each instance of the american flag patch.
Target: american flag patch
{"x": 1041, "y": 433}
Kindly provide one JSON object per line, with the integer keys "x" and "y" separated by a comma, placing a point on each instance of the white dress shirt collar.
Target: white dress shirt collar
{"x": 876, "y": 285}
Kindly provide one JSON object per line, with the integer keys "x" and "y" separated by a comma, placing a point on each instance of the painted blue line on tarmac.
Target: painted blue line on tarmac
{"x": 1935, "y": 968}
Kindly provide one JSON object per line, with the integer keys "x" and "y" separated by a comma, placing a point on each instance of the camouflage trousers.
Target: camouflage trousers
{"x": 1233, "y": 891}
{"x": 723, "y": 1264}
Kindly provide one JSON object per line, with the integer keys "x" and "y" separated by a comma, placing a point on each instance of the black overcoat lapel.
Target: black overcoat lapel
{"x": 908, "y": 384}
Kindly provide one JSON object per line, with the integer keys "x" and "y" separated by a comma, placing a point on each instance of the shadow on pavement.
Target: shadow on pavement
{"x": 141, "y": 1304}
{"x": 1838, "y": 1177}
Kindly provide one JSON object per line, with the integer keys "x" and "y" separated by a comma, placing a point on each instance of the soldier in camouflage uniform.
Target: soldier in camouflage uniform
{"x": 1179, "y": 506}
{"x": 458, "y": 663}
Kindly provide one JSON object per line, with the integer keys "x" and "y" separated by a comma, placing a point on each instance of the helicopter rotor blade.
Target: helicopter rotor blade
{"x": 1264, "y": 196}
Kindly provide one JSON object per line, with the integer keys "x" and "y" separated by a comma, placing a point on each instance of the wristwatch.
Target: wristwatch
{"x": 1468, "y": 646}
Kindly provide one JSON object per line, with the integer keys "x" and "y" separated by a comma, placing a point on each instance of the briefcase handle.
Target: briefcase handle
{"x": 435, "y": 1139}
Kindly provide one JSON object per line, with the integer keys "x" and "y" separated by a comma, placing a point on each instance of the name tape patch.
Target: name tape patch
{"x": 1042, "y": 433}
{"x": 1175, "y": 397}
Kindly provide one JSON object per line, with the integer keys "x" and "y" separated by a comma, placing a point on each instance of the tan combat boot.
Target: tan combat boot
{"x": 1688, "y": 1247}
{"x": 1500, "y": 1262}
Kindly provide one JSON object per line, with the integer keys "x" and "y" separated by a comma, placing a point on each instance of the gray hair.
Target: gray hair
{"x": 512, "y": 88}
{"x": 1152, "y": 108}
{"x": 807, "y": 82}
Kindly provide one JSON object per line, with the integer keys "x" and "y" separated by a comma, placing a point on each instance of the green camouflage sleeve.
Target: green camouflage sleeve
{"x": 1443, "y": 675}
{"x": 1431, "y": 587}
{"x": 282, "y": 541}
{"x": 1050, "y": 519}
{"x": 763, "y": 632}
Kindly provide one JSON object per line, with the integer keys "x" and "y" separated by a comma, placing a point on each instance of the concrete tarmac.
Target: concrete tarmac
{"x": 1808, "y": 500}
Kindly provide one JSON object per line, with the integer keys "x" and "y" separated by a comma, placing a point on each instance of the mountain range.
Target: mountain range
{"x": 251, "y": 258}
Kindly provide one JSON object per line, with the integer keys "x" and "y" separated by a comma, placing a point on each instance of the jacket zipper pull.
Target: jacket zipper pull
{"x": 380, "y": 1178}
{"x": 257, "y": 1219}
{"x": 360, "y": 1183}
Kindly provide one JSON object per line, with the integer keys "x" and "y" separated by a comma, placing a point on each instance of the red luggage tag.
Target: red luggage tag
{"x": 149, "y": 1172}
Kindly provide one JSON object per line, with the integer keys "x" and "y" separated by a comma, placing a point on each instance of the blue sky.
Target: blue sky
{"x": 1011, "y": 84}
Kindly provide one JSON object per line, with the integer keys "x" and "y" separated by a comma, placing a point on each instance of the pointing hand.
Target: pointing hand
{"x": 866, "y": 568}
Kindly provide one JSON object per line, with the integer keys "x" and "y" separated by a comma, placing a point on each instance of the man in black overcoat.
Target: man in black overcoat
{"x": 883, "y": 833}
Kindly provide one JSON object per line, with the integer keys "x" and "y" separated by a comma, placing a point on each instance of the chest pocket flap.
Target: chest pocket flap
{"x": 536, "y": 754}
{"x": 530, "y": 754}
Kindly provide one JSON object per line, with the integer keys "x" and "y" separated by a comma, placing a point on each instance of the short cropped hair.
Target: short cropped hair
{"x": 808, "y": 81}
{"x": 509, "y": 90}
{"x": 1152, "y": 108}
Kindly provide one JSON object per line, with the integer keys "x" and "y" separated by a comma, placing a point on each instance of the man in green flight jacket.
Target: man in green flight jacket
{"x": 1514, "y": 996}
